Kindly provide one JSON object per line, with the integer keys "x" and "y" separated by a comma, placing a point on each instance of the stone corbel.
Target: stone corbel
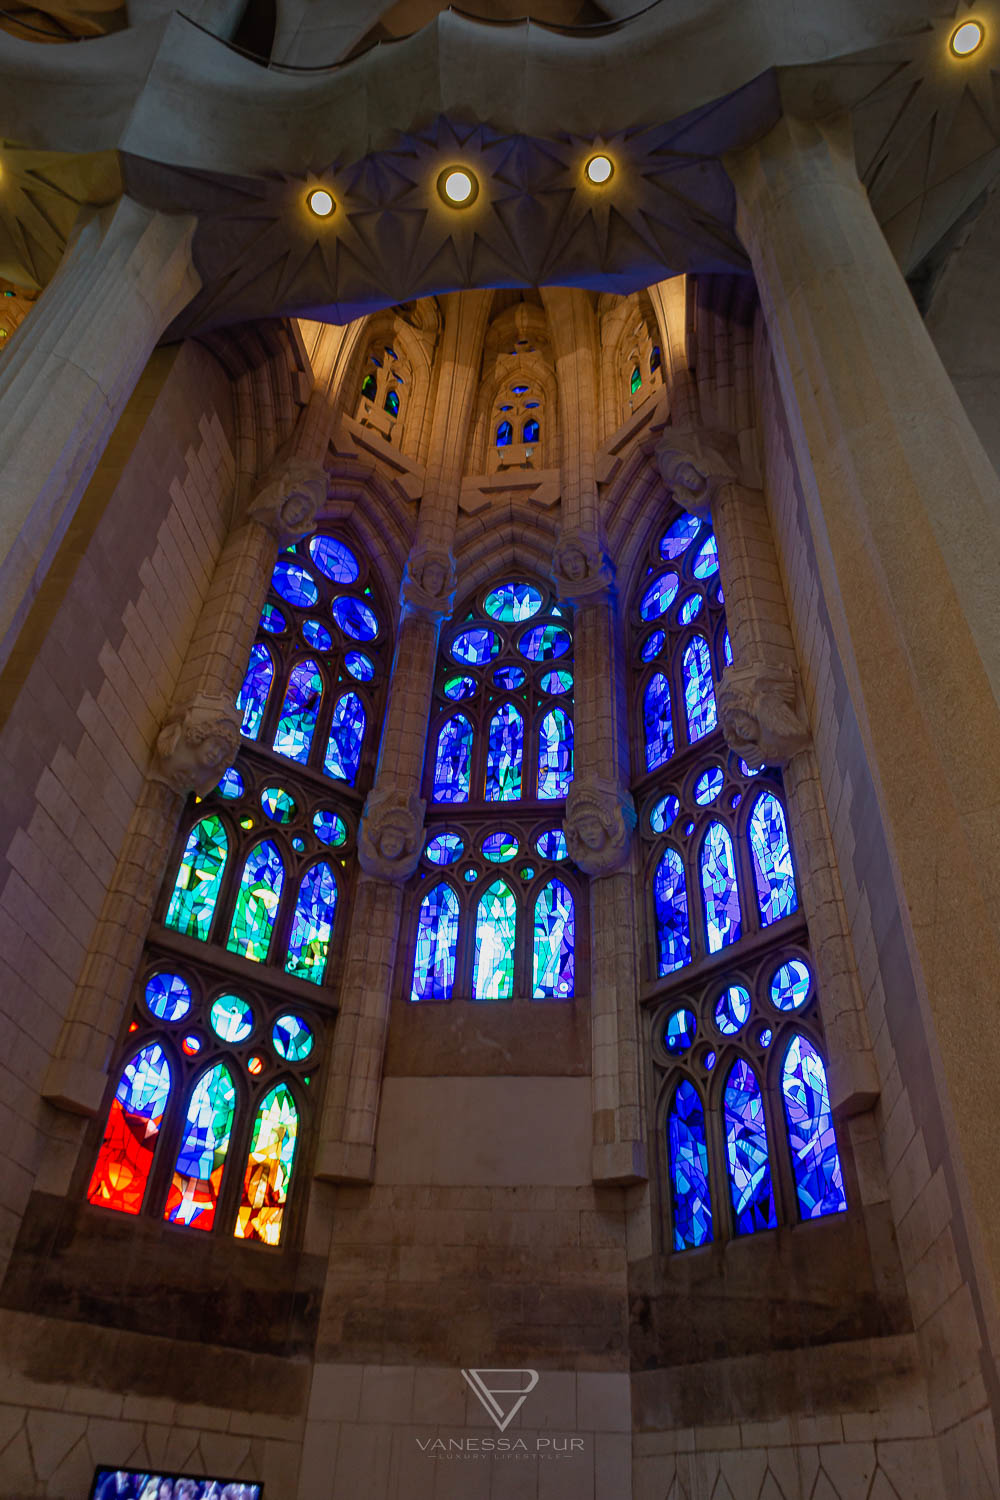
{"x": 581, "y": 568}
{"x": 290, "y": 500}
{"x": 600, "y": 817}
{"x": 695, "y": 464}
{"x": 197, "y": 743}
{"x": 429, "y": 582}
{"x": 391, "y": 834}
{"x": 760, "y": 714}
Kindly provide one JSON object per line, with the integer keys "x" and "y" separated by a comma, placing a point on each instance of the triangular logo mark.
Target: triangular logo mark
{"x": 488, "y": 1392}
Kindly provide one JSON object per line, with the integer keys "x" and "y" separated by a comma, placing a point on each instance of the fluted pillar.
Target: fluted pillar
{"x": 199, "y": 738}
{"x": 600, "y": 815}
{"x": 391, "y": 835}
{"x": 905, "y": 518}
{"x": 64, "y": 381}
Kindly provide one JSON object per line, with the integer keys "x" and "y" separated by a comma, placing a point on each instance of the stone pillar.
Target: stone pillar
{"x": 199, "y": 739}
{"x": 64, "y": 381}
{"x": 762, "y": 718}
{"x": 905, "y": 517}
{"x": 391, "y": 835}
{"x": 600, "y": 815}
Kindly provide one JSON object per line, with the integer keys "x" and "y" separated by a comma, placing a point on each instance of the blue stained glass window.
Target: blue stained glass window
{"x": 312, "y": 924}
{"x": 727, "y": 649}
{"x": 680, "y": 1031}
{"x": 496, "y": 928}
{"x": 819, "y": 1178}
{"x": 333, "y": 559}
{"x": 272, "y": 619}
{"x": 772, "y": 860}
{"x": 292, "y": 1038}
{"x": 552, "y": 844}
{"x": 498, "y": 848}
{"x": 444, "y": 848}
{"x": 453, "y": 760}
{"x": 475, "y": 647}
{"x": 657, "y": 722}
{"x": 257, "y": 902}
{"x": 392, "y": 403}
{"x": 732, "y": 1010}
{"x": 278, "y": 804}
{"x": 688, "y": 1152}
{"x": 231, "y": 1018}
{"x": 437, "y": 943}
{"x": 790, "y": 985}
{"x": 663, "y": 814}
{"x": 555, "y": 755}
{"x": 328, "y": 827}
{"x": 654, "y": 359}
{"x": 297, "y": 723}
{"x": 503, "y": 755}
{"x": 670, "y": 898}
{"x": 718, "y": 884}
{"x": 316, "y": 635}
{"x": 168, "y": 996}
{"x": 531, "y": 432}
{"x": 653, "y": 645}
{"x": 545, "y": 642}
{"x": 556, "y": 682}
{"x": 750, "y": 770}
{"x": 457, "y": 688}
{"x": 659, "y": 596}
{"x": 699, "y": 693}
{"x": 359, "y": 666}
{"x": 294, "y": 584}
{"x": 678, "y": 537}
{"x": 355, "y": 618}
{"x": 231, "y": 785}
{"x": 690, "y": 609}
{"x": 252, "y": 698}
{"x": 708, "y": 786}
{"x": 706, "y": 559}
{"x": 347, "y": 732}
{"x": 509, "y": 678}
{"x": 746, "y": 1151}
{"x": 554, "y": 939}
{"x": 513, "y": 601}
{"x": 505, "y": 435}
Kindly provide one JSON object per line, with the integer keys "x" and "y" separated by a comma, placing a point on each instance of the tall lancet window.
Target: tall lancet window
{"x": 496, "y": 905}
{"x": 736, "y": 1042}
{"x": 214, "y": 1090}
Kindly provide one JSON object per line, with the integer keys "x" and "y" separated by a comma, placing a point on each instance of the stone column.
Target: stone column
{"x": 600, "y": 815}
{"x": 905, "y": 517}
{"x": 64, "y": 381}
{"x": 391, "y": 835}
{"x": 761, "y": 714}
{"x": 199, "y": 738}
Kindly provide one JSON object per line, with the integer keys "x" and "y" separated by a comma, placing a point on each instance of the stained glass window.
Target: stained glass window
{"x": 819, "y": 1178}
{"x": 297, "y": 722}
{"x": 720, "y": 889}
{"x": 504, "y": 755}
{"x": 746, "y": 1151}
{"x": 257, "y": 902}
{"x": 196, "y": 889}
{"x": 555, "y": 755}
{"x": 392, "y": 403}
{"x": 670, "y": 896}
{"x": 659, "y": 730}
{"x": 294, "y": 583}
{"x": 688, "y": 1153}
{"x": 312, "y": 924}
{"x": 699, "y": 693}
{"x": 545, "y": 642}
{"x": 772, "y": 860}
{"x": 513, "y": 601}
{"x": 347, "y": 732}
{"x": 252, "y": 699}
{"x": 355, "y": 618}
{"x": 269, "y": 1168}
{"x": 505, "y": 435}
{"x": 194, "y": 1188}
{"x": 678, "y": 536}
{"x": 496, "y": 927}
{"x": 452, "y": 766}
{"x": 531, "y": 432}
{"x": 335, "y": 560}
{"x": 554, "y": 943}
{"x": 125, "y": 1157}
{"x": 437, "y": 942}
{"x": 636, "y": 380}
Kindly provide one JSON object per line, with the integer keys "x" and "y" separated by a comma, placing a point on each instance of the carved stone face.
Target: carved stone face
{"x": 214, "y": 750}
{"x": 574, "y": 564}
{"x": 743, "y": 725}
{"x": 591, "y": 830}
{"x": 433, "y": 577}
{"x": 392, "y": 842}
{"x": 296, "y": 512}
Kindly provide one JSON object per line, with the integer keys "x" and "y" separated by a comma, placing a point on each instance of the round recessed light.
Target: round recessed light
{"x": 967, "y": 38}
{"x": 599, "y": 169}
{"x": 457, "y": 186}
{"x": 320, "y": 203}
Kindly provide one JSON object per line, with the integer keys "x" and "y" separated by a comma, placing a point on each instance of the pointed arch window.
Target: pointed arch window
{"x": 635, "y": 382}
{"x": 437, "y": 944}
{"x": 453, "y": 764}
{"x": 496, "y": 931}
{"x": 531, "y": 432}
{"x": 299, "y": 711}
{"x": 312, "y": 924}
{"x": 554, "y": 957}
{"x": 687, "y": 1149}
{"x": 392, "y": 403}
{"x": 505, "y": 435}
{"x": 125, "y": 1157}
{"x": 253, "y": 694}
{"x": 347, "y": 733}
{"x": 208, "y": 1125}
{"x": 555, "y": 755}
{"x": 658, "y": 731}
{"x": 720, "y": 889}
{"x": 257, "y": 902}
{"x": 504, "y": 755}
{"x": 199, "y": 879}
{"x": 774, "y": 876}
{"x": 747, "y": 1152}
{"x": 670, "y": 896}
{"x": 819, "y": 1176}
{"x": 369, "y": 386}
{"x": 268, "y": 1173}
{"x": 699, "y": 692}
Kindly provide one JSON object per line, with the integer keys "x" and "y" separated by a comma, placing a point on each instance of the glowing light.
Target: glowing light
{"x": 600, "y": 169}
{"x": 320, "y": 203}
{"x": 968, "y": 38}
{"x": 457, "y": 186}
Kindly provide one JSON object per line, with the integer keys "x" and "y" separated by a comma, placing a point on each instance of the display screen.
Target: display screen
{"x": 136, "y": 1484}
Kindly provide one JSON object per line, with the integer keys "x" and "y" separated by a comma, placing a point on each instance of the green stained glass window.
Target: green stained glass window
{"x": 297, "y": 723}
{"x": 257, "y": 902}
{"x": 496, "y": 928}
{"x": 196, "y": 888}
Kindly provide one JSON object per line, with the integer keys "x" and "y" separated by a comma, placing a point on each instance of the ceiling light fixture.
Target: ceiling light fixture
{"x": 458, "y": 187}
{"x": 320, "y": 202}
{"x": 599, "y": 169}
{"x": 968, "y": 38}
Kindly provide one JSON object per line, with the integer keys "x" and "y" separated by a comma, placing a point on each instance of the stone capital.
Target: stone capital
{"x": 600, "y": 817}
{"x": 760, "y": 714}
{"x": 429, "y": 580}
{"x": 581, "y": 568}
{"x": 391, "y": 835}
{"x": 290, "y": 499}
{"x": 197, "y": 743}
{"x": 696, "y": 464}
